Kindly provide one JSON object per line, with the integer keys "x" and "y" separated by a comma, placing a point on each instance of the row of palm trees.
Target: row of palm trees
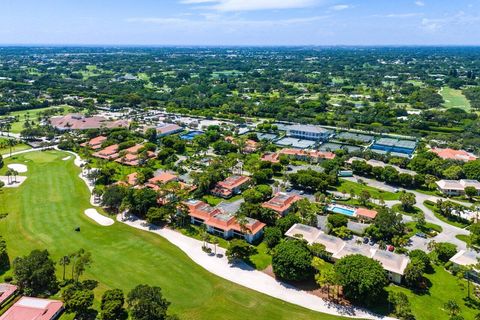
{"x": 11, "y": 173}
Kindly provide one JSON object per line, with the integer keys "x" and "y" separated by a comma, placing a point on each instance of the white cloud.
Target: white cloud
{"x": 340, "y": 7}
{"x": 403, "y": 15}
{"x": 252, "y": 5}
{"x": 458, "y": 19}
{"x": 420, "y": 3}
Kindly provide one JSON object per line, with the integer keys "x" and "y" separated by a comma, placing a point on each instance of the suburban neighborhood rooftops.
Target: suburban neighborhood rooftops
{"x": 163, "y": 177}
{"x": 233, "y": 182}
{"x": 391, "y": 261}
{"x": 300, "y": 231}
{"x": 281, "y": 202}
{"x": 366, "y": 213}
{"x": 452, "y": 154}
{"x": 271, "y": 157}
{"x": 349, "y": 249}
{"x": 33, "y": 309}
{"x": 465, "y": 258}
{"x": 95, "y": 143}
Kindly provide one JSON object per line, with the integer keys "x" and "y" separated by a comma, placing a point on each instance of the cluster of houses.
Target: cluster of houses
{"x": 132, "y": 156}
{"x": 27, "y": 308}
{"x": 394, "y": 264}
{"x": 298, "y": 154}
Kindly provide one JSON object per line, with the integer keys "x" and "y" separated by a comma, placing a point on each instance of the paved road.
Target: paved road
{"x": 449, "y": 232}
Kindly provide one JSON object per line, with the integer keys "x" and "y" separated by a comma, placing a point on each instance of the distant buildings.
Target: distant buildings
{"x": 457, "y": 187}
{"x": 33, "y": 309}
{"x": 394, "y": 264}
{"x": 452, "y": 154}
{"x": 281, "y": 202}
{"x": 312, "y": 155}
{"x": 132, "y": 156}
{"x": 309, "y": 132}
{"x": 223, "y": 224}
{"x": 76, "y": 121}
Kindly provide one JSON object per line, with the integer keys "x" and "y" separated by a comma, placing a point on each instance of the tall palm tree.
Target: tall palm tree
{"x": 64, "y": 262}
{"x": 215, "y": 243}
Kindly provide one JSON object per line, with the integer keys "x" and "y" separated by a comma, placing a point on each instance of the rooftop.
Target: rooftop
{"x": 33, "y": 309}
{"x": 453, "y": 154}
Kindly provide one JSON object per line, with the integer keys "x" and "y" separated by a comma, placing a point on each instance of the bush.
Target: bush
{"x": 272, "y": 236}
{"x": 337, "y": 220}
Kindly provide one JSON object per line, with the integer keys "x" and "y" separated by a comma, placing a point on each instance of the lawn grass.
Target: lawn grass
{"x": 18, "y": 147}
{"x": 398, "y": 208}
{"x": 262, "y": 259}
{"x": 346, "y": 186}
{"x": 44, "y": 211}
{"x": 17, "y": 126}
{"x": 454, "y": 99}
{"x": 443, "y": 218}
{"x": 463, "y": 237}
{"x": 428, "y": 228}
{"x": 444, "y": 287}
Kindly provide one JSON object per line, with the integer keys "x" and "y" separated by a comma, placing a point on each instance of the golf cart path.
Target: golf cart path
{"x": 244, "y": 275}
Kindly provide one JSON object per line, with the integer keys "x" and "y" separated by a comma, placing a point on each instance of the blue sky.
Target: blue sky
{"x": 240, "y": 22}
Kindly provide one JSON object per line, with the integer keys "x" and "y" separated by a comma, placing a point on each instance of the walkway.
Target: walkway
{"x": 247, "y": 276}
{"x": 449, "y": 231}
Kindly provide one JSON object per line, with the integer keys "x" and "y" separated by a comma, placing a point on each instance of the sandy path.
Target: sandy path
{"x": 98, "y": 218}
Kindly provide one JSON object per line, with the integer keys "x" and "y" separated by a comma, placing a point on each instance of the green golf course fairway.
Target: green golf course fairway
{"x": 44, "y": 211}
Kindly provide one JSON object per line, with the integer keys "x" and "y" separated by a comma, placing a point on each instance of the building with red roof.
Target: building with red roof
{"x": 304, "y": 155}
{"x": 7, "y": 291}
{"x": 365, "y": 214}
{"x": 223, "y": 224}
{"x": 109, "y": 153}
{"x": 28, "y": 308}
{"x": 76, "y": 121}
{"x": 272, "y": 157}
{"x": 232, "y": 185}
{"x": 452, "y": 154}
{"x": 281, "y": 202}
{"x": 95, "y": 143}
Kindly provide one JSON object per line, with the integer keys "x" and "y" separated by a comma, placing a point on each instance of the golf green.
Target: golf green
{"x": 45, "y": 210}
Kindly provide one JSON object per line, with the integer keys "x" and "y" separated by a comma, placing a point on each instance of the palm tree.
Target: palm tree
{"x": 215, "y": 243}
{"x": 64, "y": 261}
{"x": 11, "y": 143}
{"x": 15, "y": 173}
{"x": 8, "y": 174}
{"x": 451, "y": 306}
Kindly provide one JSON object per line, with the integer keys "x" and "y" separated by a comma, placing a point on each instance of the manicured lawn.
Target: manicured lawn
{"x": 398, "y": 208}
{"x": 17, "y": 127}
{"x": 444, "y": 287}
{"x": 428, "y": 228}
{"x": 454, "y": 99}
{"x": 443, "y": 218}
{"x": 346, "y": 186}
{"x": 463, "y": 237}
{"x": 212, "y": 200}
{"x": 262, "y": 259}
{"x": 44, "y": 212}
{"x": 18, "y": 147}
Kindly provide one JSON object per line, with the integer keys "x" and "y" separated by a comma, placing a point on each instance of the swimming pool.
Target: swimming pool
{"x": 342, "y": 210}
{"x": 191, "y": 135}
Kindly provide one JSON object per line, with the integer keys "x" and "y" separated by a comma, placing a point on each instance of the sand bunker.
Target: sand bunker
{"x": 14, "y": 182}
{"x": 98, "y": 218}
{"x": 20, "y": 168}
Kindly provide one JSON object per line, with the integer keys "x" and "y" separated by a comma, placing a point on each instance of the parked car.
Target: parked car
{"x": 366, "y": 240}
{"x": 390, "y": 248}
{"x": 288, "y": 189}
{"x": 421, "y": 235}
{"x": 372, "y": 242}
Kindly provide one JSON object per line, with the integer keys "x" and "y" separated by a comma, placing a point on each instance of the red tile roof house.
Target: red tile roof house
{"x": 168, "y": 129}
{"x": 109, "y": 153}
{"x": 250, "y": 145}
{"x": 223, "y": 224}
{"x": 308, "y": 155}
{"x": 95, "y": 143}
{"x": 130, "y": 156}
{"x": 76, "y": 121}
{"x": 365, "y": 214}
{"x": 272, "y": 157}
{"x": 281, "y": 202}
{"x": 232, "y": 185}
{"x": 34, "y": 309}
{"x": 162, "y": 178}
{"x": 7, "y": 291}
{"x": 452, "y": 154}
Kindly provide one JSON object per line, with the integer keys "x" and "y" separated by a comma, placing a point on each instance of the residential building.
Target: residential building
{"x": 28, "y": 308}
{"x": 394, "y": 264}
{"x": 131, "y": 156}
{"x": 309, "y": 132}
{"x": 272, "y": 157}
{"x": 457, "y": 187}
{"x": 166, "y": 129}
{"x": 223, "y": 224}
{"x": 231, "y": 186}
{"x": 7, "y": 291}
{"x": 307, "y": 155}
{"x": 281, "y": 202}
{"x": 75, "y": 121}
{"x": 109, "y": 153}
{"x": 162, "y": 178}
{"x": 467, "y": 258}
{"x": 95, "y": 143}
{"x": 452, "y": 154}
